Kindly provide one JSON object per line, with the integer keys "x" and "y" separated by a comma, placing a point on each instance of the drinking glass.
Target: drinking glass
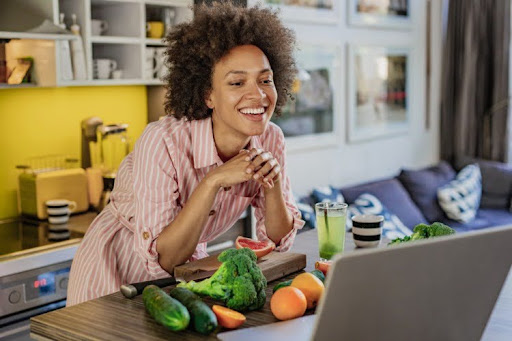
{"x": 331, "y": 218}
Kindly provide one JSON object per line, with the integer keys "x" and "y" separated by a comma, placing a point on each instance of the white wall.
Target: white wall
{"x": 342, "y": 163}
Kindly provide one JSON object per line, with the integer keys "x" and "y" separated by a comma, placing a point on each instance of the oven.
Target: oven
{"x": 34, "y": 272}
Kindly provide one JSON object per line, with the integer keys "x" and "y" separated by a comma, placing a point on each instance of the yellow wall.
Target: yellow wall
{"x": 37, "y": 122}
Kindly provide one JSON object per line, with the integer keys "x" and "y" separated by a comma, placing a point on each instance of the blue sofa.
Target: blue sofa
{"x": 412, "y": 195}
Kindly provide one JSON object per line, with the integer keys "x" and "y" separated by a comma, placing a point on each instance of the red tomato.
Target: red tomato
{"x": 323, "y": 266}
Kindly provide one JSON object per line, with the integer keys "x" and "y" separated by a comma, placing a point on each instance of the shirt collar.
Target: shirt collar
{"x": 203, "y": 145}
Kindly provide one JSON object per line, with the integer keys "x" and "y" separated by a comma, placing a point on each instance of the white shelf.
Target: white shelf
{"x": 96, "y": 2}
{"x": 103, "y": 82}
{"x": 123, "y": 40}
{"x": 173, "y": 3}
{"x": 35, "y": 36}
{"x": 114, "y": 40}
{"x": 116, "y": 81}
{"x": 153, "y": 82}
{"x": 155, "y": 42}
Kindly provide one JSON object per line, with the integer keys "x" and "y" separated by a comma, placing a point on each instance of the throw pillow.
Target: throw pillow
{"x": 393, "y": 195}
{"x": 327, "y": 193}
{"x": 307, "y": 212}
{"x": 367, "y": 203}
{"x": 460, "y": 198}
{"x": 422, "y": 186}
{"x": 496, "y": 181}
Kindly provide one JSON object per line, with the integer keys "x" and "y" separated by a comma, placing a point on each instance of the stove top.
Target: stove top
{"x": 21, "y": 235}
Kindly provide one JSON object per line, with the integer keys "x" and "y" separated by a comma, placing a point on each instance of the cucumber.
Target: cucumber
{"x": 165, "y": 309}
{"x": 317, "y": 273}
{"x": 282, "y": 285}
{"x": 203, "y": 318}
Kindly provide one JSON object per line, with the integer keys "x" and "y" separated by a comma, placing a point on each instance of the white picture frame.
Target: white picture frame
{"x": 304, "y": 13}
{"x": 322, "y": 62}
{"x": 379, "y": 90}
{"x": 380, "y": 13}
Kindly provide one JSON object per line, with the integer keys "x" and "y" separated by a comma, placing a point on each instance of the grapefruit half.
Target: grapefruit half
{"x": 260, "y": 248}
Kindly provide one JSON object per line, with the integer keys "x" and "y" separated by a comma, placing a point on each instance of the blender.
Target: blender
{"x": 103, "y": 149}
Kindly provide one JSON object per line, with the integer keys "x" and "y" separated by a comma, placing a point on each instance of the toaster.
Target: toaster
{"x": 36, "y": 188}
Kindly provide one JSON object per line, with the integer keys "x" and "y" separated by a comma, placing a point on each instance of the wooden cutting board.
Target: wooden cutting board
{"x": 274, "y": 266}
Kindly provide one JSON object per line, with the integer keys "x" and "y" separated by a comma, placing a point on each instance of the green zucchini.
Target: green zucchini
{"x": 203, "y": 318}
{"x": 282, "y": 285}
{"x": 317, "y": 273}
{"x": 165, "y": 309}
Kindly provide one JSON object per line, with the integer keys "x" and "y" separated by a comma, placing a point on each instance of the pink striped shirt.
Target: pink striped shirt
{"x": 153, "y": 183}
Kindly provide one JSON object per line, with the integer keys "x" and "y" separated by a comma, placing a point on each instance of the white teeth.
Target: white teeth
{"x": 252, "y": 111}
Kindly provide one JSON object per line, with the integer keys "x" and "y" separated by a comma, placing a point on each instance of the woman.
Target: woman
{"x": 193, "y": 173}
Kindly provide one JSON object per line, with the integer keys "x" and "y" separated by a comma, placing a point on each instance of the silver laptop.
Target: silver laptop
{"x": 438, "y": 289}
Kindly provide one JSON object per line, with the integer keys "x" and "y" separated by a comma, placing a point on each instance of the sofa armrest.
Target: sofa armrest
{"x": 496, "y": 182}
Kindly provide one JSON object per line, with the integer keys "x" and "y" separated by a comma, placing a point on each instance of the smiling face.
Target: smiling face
{"x": 243, "y": 95}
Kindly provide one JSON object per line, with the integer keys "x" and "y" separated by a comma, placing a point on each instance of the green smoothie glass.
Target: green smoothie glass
{"x": 331, "y": 218}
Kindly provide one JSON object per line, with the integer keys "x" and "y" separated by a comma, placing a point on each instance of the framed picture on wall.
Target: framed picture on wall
{"x": 308, "y": 11}
{"x": 379, "y": 13}
{"x": 311, "y": 117}
{"x": 378, "y": 92}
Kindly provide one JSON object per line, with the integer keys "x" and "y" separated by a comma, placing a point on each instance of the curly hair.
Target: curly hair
{"x": 195, "y": 47}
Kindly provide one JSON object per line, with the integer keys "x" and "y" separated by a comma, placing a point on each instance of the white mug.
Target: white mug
{"x": 102, "y": 68}
{"x": 367, "y": 230}
{"x": 160, "y": 68}
{"x": 149, "y": 63}
{"x": 117, "y": 74}
{"x": 98, "y": 27}
{"x": 59, "y": 210}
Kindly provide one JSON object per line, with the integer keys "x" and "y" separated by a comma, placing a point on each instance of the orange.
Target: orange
{"x": 311, "y": 287}
{"x": 288, "y": 303}
{"x": 228, "y": 318}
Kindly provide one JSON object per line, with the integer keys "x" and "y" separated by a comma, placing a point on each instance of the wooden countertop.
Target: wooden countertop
{"x": 115, "y": 317}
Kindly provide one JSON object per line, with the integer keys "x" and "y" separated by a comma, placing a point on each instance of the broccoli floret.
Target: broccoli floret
{"x": 238, "y": 281}
{"x": 422, "y": 231}
{"x": 439, "y": 229}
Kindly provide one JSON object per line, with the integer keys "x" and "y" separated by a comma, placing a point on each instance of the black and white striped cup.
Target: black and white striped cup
{"x": 367, "y": 229}
{"x": 59, "y": 210}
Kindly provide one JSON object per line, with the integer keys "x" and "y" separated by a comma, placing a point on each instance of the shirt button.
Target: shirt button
{"x": 145, "y": 235}
{"x": 212, "y": 212}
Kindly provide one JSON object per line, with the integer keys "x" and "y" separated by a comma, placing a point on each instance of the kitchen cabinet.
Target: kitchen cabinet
{"x": 123, "y": 38}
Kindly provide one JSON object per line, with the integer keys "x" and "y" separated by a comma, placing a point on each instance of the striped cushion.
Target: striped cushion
{"x": 460, "y": 198}
{"x": 367, "y": 203}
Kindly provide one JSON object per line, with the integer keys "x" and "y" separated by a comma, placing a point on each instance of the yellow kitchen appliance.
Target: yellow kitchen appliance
{"x": 103, "y": 149}
{"x": 36, "y": 187}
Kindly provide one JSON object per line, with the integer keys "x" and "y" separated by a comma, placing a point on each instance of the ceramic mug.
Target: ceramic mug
{"x": 154, "y": 29}
{"x": 102, "y": 68}
{"x": 59, "y": 210}
{"x": 160, "y": 68}
{"x": 367, "y": 229}
{"x": 117, "y": 74}
{"x": 149, "y": 63}
{"x": 98, "y": 27}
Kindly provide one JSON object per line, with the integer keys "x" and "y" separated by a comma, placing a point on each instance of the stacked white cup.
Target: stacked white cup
{"x": 59, "y": 211}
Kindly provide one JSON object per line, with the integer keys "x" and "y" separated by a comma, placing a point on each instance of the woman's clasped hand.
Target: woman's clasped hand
{"x": 264, "y": 168}
{"x": 254, "y": 164}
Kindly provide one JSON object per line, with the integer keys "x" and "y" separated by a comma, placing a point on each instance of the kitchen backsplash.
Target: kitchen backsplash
{"x": 45, "y": 121}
